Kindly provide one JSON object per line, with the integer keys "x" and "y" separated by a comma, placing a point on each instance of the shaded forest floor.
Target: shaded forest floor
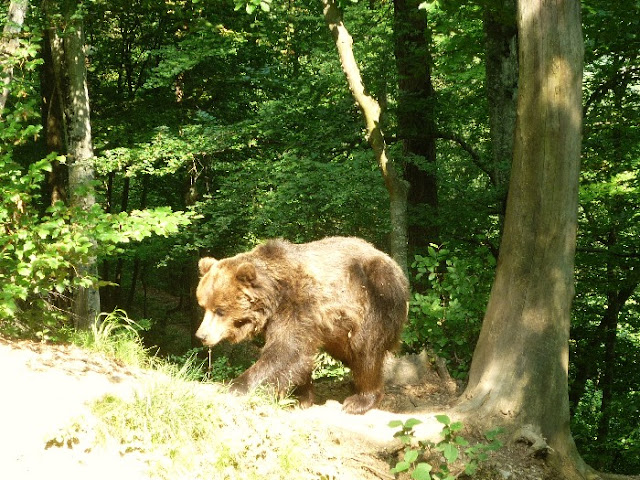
{"x": 45, "y": 387}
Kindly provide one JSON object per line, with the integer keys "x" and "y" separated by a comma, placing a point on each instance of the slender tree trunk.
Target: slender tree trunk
{"x": 519, "y": 372}
{"x": 610, "y": 324}
{"x": 585, "y": 364}
{"x": 619, "y": 292}
{"x": 396, "y": 186}
{"x": 9, "y": 45}
{"x": 501, "y": 63}
{"x": 137, "y": 263}
{"x": 70, "y": 71}
{"x": 124, "y": 206}
{"x": 81, "y": 171}
{"x": 107, "y": 300}
{"x": 52, "y": 116}
{"x": 416, "y": 119}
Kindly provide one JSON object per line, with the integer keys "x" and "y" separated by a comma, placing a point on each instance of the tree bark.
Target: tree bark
{"x": 519, "y": 371}
{"x": 124, "y": 207}
{"x": 9, "y": 45}
{"x": 501, "y": 66}
{"x": 138, "y": 265}
{"x": 396, "y": 186}
{"x": 70, "y": 72}
{"x": 81, "y": 170}
{"x": 416, "y": 119}
{"x": 52, "y": 116}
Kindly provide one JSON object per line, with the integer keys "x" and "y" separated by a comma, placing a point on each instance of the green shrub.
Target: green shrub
{"x": 458, "y": 454}
{"x": 42, "y": 244}
{"x": 39, "y": 251}
{"x": 446, "y": 316}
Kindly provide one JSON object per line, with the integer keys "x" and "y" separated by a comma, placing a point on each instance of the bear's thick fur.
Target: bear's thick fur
{"x": 339, "y": 294}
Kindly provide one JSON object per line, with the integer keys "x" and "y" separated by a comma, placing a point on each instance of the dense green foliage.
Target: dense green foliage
{"x": 606, "y": 323}
{"x": 447, "y": 314}
{"x": 245, "y": 122}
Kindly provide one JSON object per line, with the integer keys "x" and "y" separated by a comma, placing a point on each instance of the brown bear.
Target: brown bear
{"x": 339, "y": 294}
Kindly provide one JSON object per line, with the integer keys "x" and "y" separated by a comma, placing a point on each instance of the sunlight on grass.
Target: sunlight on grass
{"x": 184, "y": 429}
{"x": 117, "y": 336}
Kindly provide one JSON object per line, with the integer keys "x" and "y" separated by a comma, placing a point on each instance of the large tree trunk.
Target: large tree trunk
{"x": 396, "y": 186}
{"x": 416, "y": 119}
{"x": 71, "y": 71}
{"x": 9, "y": 44}
{"x": 519, "y": 370}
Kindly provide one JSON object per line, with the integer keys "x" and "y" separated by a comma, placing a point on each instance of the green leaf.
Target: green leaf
{"x": 400, "y": 467}
{"x": 450, "y": 452}
{"x": 471, "y": 468}
{"x": 24, "y": 271}
{"x": 412, "y": 422}
{"x": 411, "y": 456}
{"x": 422, "y": 472}
{"x": 443, "y": 419}
{"x": 456, "y": 426}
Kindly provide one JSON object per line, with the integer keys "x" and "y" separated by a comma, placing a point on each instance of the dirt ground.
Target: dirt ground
{"x": 44, "y": 387}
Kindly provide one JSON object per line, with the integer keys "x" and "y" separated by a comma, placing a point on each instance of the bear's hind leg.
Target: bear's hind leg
{"x": 360, "y": 403}
{"x": 367, "y": 377}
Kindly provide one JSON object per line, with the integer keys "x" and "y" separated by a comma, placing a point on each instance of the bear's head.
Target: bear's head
{"x": 229, "y": 293}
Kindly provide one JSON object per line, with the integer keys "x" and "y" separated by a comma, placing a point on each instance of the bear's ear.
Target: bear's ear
{"x": 246, "y": 273}
{"x": 205, "y": 264}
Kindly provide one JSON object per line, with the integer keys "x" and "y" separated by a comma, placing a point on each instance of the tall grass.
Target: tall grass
{"x": 117, "y": 336}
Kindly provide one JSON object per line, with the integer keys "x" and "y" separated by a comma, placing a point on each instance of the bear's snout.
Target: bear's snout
{"x": 212, "y": 330}
{"x": 201, "y": 335}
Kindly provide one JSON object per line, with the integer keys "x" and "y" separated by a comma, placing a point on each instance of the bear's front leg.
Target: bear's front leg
{"x": 281, "y": 368}
{"x": 259, "y": 373}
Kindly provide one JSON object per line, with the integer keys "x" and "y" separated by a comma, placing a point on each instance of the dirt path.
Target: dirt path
{"x": 44, "y": 387}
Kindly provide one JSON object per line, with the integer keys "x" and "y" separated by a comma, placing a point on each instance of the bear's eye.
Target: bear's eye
{"x": 240, "y": 323}
{"x": 219, "y": 312}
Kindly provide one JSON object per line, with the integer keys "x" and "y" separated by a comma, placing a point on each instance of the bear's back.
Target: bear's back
{"x": 326, "y": 257}
{"x": 336, "y": 264}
